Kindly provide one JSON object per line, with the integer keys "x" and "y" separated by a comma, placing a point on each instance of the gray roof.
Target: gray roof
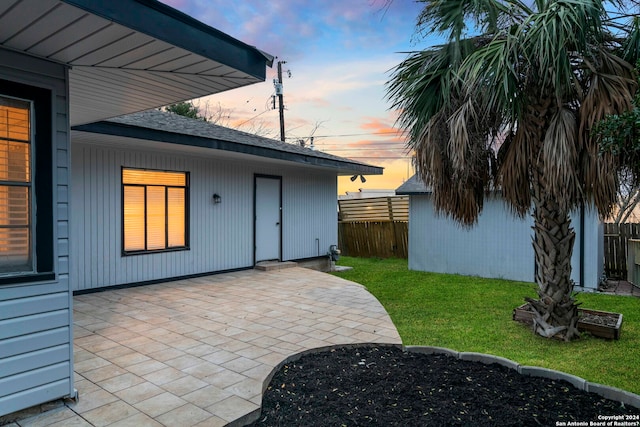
{"x": 413, "y": 185}
{"x": 155, "y": 125}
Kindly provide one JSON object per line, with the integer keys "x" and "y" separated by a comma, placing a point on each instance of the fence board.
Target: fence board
{"x": 615, "y": 248}
{"x": 394, "y": 208}
{"x": 382, "y": 239}
{"x": 374, "y": 227}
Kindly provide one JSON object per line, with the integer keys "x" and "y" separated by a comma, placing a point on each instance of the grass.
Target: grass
{"x": 474, "y": 314}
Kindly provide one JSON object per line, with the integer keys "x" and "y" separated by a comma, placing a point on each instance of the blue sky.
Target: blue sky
{"x": 339, "y": 54}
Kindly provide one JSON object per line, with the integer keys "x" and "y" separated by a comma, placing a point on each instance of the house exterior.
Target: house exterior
{"x": 244, "y": 199}
{"x": 66, "y": 63}
{"x": 498, "y": 246}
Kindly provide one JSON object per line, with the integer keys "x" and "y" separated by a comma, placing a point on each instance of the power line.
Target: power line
{"x": 368, "y": 144}
{"x": 380, "y": 158}
{"x": 254, "y": 117}
{"x": 365, "y": 149}
{"x": 351, "y": 134}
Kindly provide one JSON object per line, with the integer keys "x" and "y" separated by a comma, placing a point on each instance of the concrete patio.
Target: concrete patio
{"x": 197, "y": 352}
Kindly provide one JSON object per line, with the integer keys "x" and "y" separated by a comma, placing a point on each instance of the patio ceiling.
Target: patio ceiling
{"x": 128, "y": 55}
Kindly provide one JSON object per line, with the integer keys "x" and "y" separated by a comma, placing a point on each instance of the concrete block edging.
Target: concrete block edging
{"x": 605, "y": 391}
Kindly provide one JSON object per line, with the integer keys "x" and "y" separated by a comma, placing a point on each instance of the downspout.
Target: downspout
{"x": 582, "y": 284}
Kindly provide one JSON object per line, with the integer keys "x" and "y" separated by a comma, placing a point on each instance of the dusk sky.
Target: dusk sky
{"x": 339, "y": 54}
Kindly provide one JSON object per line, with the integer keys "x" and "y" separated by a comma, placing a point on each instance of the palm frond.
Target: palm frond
{"x": 552, "y": 36}
{"x": 631, "y": 47}
{"x": 457, "y": 19}
{"x": 560, "y": 159}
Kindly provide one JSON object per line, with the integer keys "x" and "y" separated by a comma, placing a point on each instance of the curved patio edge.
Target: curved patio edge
{"x": 605, "y": 391}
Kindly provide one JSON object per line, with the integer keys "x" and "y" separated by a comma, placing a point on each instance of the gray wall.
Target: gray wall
{"x": 221, "y": 235}
{"x": 36, "y": 354}
{"x": 498, "y": 246}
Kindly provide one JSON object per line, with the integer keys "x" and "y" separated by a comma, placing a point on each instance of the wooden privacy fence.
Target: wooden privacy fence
{"x": 374, "y": 227}
{"x": 615, "y": 248}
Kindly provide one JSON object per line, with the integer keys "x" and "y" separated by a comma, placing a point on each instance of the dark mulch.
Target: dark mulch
{"x": 383, "y": 386}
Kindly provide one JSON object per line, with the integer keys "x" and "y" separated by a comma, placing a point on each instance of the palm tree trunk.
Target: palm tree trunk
{"x": 556, "y": 312}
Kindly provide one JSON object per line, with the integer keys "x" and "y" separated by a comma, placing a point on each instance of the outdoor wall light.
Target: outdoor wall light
{"x": 216, "y": 198}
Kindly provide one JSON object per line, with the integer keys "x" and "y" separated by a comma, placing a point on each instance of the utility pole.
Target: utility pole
{"x": 280, "y": 95}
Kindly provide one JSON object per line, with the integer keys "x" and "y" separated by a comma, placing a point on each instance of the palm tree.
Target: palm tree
{"x": 509, "y": 102}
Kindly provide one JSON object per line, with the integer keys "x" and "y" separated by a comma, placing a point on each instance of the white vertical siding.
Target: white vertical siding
{"x": 36, "y": 354}
{"x": 310, "y": 214}
{"x": 221, "y": 235}
{"x": 498, "y": 246}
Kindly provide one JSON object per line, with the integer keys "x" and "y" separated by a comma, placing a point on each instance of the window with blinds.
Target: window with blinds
{"x": 154, "y": 210}
{"x": 16, "y": 246}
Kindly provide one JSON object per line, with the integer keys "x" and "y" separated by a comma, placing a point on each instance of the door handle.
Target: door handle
{"x": 277, "y": 223}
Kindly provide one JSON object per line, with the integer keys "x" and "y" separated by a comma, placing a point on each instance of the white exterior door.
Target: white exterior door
{"x": 267, "y": 218}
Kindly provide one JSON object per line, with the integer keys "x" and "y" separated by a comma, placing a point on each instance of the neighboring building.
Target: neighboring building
{"x": 66, "y": 63}
{"x": 498, "y": 246}
{"x": 365, "y": 193}
{"x": 231, "y": 199}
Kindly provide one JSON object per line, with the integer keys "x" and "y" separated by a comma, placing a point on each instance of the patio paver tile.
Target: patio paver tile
{"x": 206, "y": 396}
{"x": 166, "y": 354}
{"x": 186, "y": 415}
{"x": 271, "y": 359}
{"x": 147, "y": 367}
{"x": 87, "y": 365}
{"x": 120, "y": 382}
{"x": 240, "y": 364}
{"x": 164, "y": 376}
{"x": 139, "y": 392}
{"x": 184, "y": 385}
{"x": 247, "y": 388}
{"x": 132, "y": 358}
{"x": 76, "y": 421}
{"x": 104, "y": 373}
{"x": 160, "y": 404}
{"x": 224, "y": 378}
{"x": 201, "y": 350}
{"x": 184, "y": 361}
{"x": 220, "y": 357}
{"x": 232, "y": 408}
{"x": 110, "y": 413}
{"x": 212, "y": 422}
{"x": 89, "y": 401}
{"x": 137, "y": 420}
{"x": 203, "y": 370}
{"x": 114, "y": 352}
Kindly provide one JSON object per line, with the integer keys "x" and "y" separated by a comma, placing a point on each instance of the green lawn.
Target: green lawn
{"x": 474, "y": 314}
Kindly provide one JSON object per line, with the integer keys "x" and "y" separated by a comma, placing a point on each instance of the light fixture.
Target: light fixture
{"x": 216, "y": 198}
{"x": 362, "y": 179}
{"x": 353, "y": 178}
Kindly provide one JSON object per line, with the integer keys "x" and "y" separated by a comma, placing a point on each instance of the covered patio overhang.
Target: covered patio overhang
{"x": 126, "y": 56}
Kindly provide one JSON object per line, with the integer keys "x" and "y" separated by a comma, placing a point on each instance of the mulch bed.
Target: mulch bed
{"x": 384, "y": 386}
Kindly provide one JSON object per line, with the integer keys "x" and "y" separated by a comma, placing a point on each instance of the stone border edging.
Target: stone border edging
{"x": 607, "y": 392}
